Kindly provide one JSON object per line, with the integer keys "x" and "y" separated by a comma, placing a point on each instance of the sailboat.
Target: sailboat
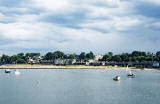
{"x": 17, "y": 72}
{"x": 130, "y": 74}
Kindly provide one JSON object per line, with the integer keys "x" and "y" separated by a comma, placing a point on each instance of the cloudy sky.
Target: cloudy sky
{"x": 73, "y": 26}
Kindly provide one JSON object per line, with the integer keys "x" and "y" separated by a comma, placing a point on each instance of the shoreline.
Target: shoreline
{"x": 28, "y": 66}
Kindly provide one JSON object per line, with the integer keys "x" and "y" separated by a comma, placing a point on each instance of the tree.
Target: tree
{"x": 32, "y": 55}
{"x": 20, "y": 54}
{"x": 72, "y": 56}
{"x": 55, "y": 55}
{"x": 90, "y": 55}
{"x": 117, "y": 58}
{"x": 14, "y": 58}
{"x": 125, "y": 57}
{"x": 138, "y": 53}
{"x": 110, "y": 53}
{"x": 82, "y": 56}
{"x": 158, "y": 53}
{"x": 21, "y": 61}
{"x": 58, "y": 55}
{"x": 49, "y": 56}
{"x": 107, "y": 57}
{"x": 5, "y": 59}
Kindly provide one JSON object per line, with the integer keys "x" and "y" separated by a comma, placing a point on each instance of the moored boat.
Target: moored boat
{"x": 117, "y": 78}
{"x": 7, "y": 71}
{"x": 131, "y": 75}
{"x": 17, "y": 72}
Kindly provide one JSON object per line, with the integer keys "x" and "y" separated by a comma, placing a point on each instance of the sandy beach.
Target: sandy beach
{"x": 28, "y": 66}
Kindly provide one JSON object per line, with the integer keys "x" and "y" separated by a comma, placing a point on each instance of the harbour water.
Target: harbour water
{"x": 79, "y": 86}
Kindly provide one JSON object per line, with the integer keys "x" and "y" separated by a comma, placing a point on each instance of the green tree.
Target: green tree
{"x": 117, "y": 58}
{"x": 49, "y": 56}
{"x": 72, "y": 56}
{"x": 21, "y": 61}
{"x": 90, "y": 55}
{"x": 138, "y": 53}
{"x": 107, "y": 57}
{"x": 5, "y": 59}
{"x": 32, "y": 55}
{"x": 125, "y": 57}
{"x": 82, "y": 56}
{"x": 14, "y": 58}
{"x": 110, "y": 53}
{"x": 58, "y": 55}
{"x": 158, "y": 53}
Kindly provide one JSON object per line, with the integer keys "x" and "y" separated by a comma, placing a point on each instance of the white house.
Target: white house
{"x": 97, "y": 57}
{"x": 155, "y": 64}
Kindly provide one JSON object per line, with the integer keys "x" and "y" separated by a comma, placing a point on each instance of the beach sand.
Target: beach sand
{"x": 38, "y": 66}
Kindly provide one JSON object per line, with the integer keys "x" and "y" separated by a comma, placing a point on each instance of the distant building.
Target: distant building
{"x": 155, "y": 64}
{"x": 34, "y": 60}
{"x": 59, "y": 62}
{"x": 80, "y": 63}
{"x": 47, "y": 62}
{"x": 98, "y": 57}
{"x": 71, "y": 61}
{"x": 91, "y": 61}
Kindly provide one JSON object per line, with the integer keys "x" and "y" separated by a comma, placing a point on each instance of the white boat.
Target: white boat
{"x": 117, "y": 78}
{"x": 130, "y": 74}
{"x": 7, "y": 71}
{"x": 126, "y": 68}
{"x": 17, "y": 72}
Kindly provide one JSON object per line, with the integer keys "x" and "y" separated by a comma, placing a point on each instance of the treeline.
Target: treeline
{"x": 18, "y": 58}
{"x": 60, "y": 55}
{"x": 26, "y": 58}
{"x": 135, "y": 56}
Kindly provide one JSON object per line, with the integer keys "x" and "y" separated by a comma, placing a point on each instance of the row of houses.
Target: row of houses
{"x": 39, "y": 60}
{"x": 94, "y": 62}
{"x": 97, "y": 63}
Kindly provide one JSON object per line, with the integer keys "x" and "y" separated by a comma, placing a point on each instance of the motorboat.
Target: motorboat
{"x": 117, "y": 78}
{"x": 131, "y": 75}
{"x": 7, "y": 71}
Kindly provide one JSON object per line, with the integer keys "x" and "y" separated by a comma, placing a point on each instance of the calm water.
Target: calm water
{"x": 79, "y": 87}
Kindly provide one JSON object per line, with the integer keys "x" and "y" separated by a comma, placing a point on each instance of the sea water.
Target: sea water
{"x": 79, "y": 86}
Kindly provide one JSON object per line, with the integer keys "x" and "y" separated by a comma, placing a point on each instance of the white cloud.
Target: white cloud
{"x": 14, "y": 9}
{"x": 156, "y": 24}
{"x": 114, "y": 24}
{"x": 37, "y": 35}
{"x": 55, "y": 6}
{"x": 22, "y": 31}
{"x": 126, "y": 23}
{"x": 157, "y": 2}
{"x": 103, "y": 27}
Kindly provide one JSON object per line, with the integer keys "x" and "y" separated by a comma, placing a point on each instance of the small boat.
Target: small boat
{"x": 7, "y": 71}
{"x": 117, "y": 78}
{"x": 17, "y": 72}
{"x": 132, "y": 75}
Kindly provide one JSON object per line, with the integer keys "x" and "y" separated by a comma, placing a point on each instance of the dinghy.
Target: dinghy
{"x": 17, "y": 72}
{"x": 117, "y": 78}
{"x": 7, "y": 71}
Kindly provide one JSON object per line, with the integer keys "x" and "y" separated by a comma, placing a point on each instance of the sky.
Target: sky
{"x": 75, "y": 26}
